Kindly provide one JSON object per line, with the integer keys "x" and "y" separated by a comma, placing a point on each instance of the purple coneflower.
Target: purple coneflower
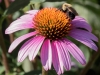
{"x": 51, "y": 27}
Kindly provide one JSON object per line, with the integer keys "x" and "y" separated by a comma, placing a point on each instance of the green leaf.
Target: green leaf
{"x": 94, "y": 1}
{"x": 35, "y": 1}
{"x": 52, "y": 72}
{"x": 20, "y": 33}
{"x": 22, "y": 73}
{"x": 86, "y": 52}
{"x": 91, "y": 7}
{"x": 16, "y": 5}
{"x": 27, "y": 65}
{"x": 55, "y": 0}
{"x": 35, "y": 72}
{"x": 2, "y": 69}
{"x": 69, "y": 73}
{"x": 53, "y": 4}
{"x": 1, "y": 11}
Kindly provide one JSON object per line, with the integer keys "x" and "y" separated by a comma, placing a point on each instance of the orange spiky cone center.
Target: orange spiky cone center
{"x": 52, "y": 23}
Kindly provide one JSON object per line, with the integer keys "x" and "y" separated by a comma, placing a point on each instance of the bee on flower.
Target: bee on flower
{"x": 51, "y": 29}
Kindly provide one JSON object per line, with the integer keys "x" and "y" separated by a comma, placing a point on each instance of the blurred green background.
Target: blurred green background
{"x": 10, "y": 10}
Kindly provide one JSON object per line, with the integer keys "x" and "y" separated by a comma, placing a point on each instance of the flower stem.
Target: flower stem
{"x": 4, "y": 57}
{"x": 35, "y": 63}
{"x": 9, "y": 19}
{"x": 6, "y": 3}
{"x": 44, "y": 72}
{"x": 91, "y": 62}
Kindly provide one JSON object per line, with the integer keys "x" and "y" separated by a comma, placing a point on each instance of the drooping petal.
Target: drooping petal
{"x": 79, "y": 22}
{"x": 85, "y": 40}
{"x": 18, "y": 25}
{"x": 83, "y": 34}
{"x": 36, "y": 47}
{"x": 24, "y": 51}
{"x": 65, "y": 55}
{"x": 19, "y": 40}
{"x": 46, "y": 54}
{"x": 56, "y": 57}
{"x": 26, "y": 48}
{"x": 75, "y": 51}
{"x": 24, "y": 22}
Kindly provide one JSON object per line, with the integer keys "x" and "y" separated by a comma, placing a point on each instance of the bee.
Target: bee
{"x": 71, "y": 12}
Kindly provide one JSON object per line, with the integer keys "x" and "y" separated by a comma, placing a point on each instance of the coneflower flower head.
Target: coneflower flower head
{"x": 51, "y": 27}
{"x": 52, "y": 23}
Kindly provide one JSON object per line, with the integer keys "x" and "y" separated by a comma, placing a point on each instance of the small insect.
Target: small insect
{"x": 67, "y": 8}
{"x": 70, "y": 11}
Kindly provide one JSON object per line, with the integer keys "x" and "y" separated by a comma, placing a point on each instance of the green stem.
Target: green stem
{"x": 4, "y": 57}
{"x": 1, "y": 11}
{"x": 3, "y": 47}
{"x": 44, "y": 72}
{"x": 9, "y": 19}
{"x": 35, "y": 63}
{"x": 1, "y": 21}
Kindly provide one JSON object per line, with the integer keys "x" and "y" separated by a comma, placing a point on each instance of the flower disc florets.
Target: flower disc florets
{"x": 52, "y": 23}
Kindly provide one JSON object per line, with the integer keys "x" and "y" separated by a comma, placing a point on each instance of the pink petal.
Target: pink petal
{"x": 16, "y": 42}
{"x": 24, "y": 51}
{"x": 46, "y": 54}
{"x": 26, "y": 48}
{"x": 32, "y": 11}
{"x": 85, "y": 40}
{"x": 79, "y": 22}
{"x": 65, "y": 55}
{"x": 75, "y": 51}
{"x": 83, "y": 34}
{"x": 56, "y": 56}
{"x": 18, "y": 25}
{"x": 36, "y": 47}
{"x": 24, "y": 22}
{"x": 27, "y": 17}
{"x": 79, "y": 18}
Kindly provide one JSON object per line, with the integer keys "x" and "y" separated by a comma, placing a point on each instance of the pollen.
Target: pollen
{"x": 52, "y": 23}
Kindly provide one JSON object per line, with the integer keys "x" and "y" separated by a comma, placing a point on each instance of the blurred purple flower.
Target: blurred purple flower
{"x": 52, "y": 27}
{"x": 0, "y": 1}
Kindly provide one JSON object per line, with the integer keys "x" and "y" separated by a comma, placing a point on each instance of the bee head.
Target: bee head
{"x": 69, "y": 10}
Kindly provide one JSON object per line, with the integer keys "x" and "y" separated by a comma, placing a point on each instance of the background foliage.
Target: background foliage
{"x": 89, "y": 9}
